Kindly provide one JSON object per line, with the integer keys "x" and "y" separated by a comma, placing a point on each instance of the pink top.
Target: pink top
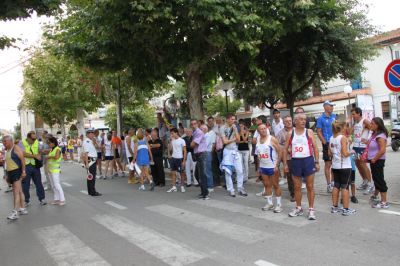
{"x": 373, "y": 147}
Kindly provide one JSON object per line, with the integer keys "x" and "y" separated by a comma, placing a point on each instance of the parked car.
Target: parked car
{"x": 395, "y": 135}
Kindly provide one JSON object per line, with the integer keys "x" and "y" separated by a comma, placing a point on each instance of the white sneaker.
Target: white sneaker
{"x": 46, "y": 188}
{"x": 210, "y": 190}
{"x": 142, "y": 188}
{"x": 278, "y": 209}
{"x": 183, "y": 189}
{"x": 268, "y": 207}
{"x": 23, "y": 211}
{"x": 282, "y": 181}
{"x": 173, "y": 189}
{"x": 13, "y": 215}
{"x": 303, "y": 185}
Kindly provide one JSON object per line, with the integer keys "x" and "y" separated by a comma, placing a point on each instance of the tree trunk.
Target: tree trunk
{"x": 80, "y": 116}
{"x": 194, "y": 93}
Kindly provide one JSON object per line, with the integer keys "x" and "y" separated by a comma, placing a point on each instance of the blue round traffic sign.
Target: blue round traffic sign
{"x": 392, "y": 76}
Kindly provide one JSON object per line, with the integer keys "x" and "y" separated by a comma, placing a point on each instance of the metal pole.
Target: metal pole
{"x": 226, "y": 100}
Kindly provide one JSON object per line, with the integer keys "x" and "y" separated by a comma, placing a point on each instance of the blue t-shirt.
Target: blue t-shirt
{"x": 324, "y": 122}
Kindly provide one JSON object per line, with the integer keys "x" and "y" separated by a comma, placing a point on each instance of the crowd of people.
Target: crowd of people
{"x": 216, "y": 153}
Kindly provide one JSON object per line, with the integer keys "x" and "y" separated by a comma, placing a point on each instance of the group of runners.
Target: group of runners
{"x": 216, "y": 154}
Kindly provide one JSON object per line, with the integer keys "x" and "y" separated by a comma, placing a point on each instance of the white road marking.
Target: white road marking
{"x": 230, "y": 230}
{"x": 66, "y": 184}
{"x": 84, "y": 192}
{"x": 115, "y": 205}
{"x": 264, "y": 263}
{"x": 162, "y": 247}
{"x": 390, "y": 212}
{"x": 254, "y": 212}
{"x": 66, "y": 248}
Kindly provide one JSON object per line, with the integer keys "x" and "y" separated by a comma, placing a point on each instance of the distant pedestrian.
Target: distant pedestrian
{"x": 109, "y": 153}
{"x": 244, "y": 150}
{"x": 190, "y": 163}
{"x": 89, "y": 157}
{"x": 277, "y": 122}
{"x": 99, "y": 143}
{"x": 210, "y": 139}
{"x": 178, "y": 159}
{"x": 157, "y": 169}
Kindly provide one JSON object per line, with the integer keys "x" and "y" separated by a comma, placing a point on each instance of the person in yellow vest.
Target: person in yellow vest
{"x": 54, "y": 164}
{"x": 15, "y": 166}
{"x": 30, "y": 147}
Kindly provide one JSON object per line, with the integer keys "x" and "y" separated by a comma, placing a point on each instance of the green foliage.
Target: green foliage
{"x": 55, "y": 87}
{"x": 135, "y": 116}
{"x": 311, "y": 40}
{"x": 15, "y": 9}
{"x": 156, "y": 39}
{"x": 17, "y": 131}
{"x": 216, "y": 105}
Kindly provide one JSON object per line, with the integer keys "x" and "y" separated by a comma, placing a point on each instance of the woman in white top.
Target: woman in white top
{"x": 341, "y": 167}
{"x": 109, "y": 149}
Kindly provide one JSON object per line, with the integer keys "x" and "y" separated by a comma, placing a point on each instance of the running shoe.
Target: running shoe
{"x": 268, "y": 207}
{"x": 172, "y": 189}
{"x": 22, "y": 211}
{"x": 232, "y": 193}
{"x": 282, "y": 181}
{"x": 206, "y": 197}
{"x": 278, "y": 209}
{"x": 354, "y": 199}
{"x": 369, "y": 190}
{"x": 242, "y": 192}
{"x": 363, "y": 186}
{"x": 142, "y": 188}
{"x": 311, "y": 214}
{"x": 374, "y": 199}
{"x": 303, "y": 185}
{"x": 381, "y": 205}
{"x": 348, "y": 212}
{"x": 260, "y": 194}
{"x": 329, "y": 188}
{"x": 46, "y": 188}
{"x": 296, "y": 212}
{"x": 9, "y": 189}
{"x": 183, "y": 189}
{"x": 13, "y": 215}
{"x": 152, "y": 186}
{"x": 210, "y": 190}
{"x": 334, "y": 209}
{"x": 42, "y": 202}
{"x": 27, "y": 203}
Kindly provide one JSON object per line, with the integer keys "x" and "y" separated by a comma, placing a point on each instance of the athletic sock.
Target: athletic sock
{"x": 269, "y": 200}
{"x": 278, "y": 201}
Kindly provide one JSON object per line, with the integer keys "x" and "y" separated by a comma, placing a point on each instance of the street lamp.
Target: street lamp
{"x": 226, "y": 98}
{"x": 348, "y": 89}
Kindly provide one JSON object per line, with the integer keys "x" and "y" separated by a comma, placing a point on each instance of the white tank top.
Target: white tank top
{"x": 338, "y": 161}
{"x": 360, "y": 133}
{"x": 108, "y": 148}
{"x": 128, "y": 154}
{"x": 301, "y": 146}
{"x": 266, "y": 153}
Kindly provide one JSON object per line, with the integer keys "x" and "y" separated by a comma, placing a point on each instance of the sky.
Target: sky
{"x": 382, "y": 13}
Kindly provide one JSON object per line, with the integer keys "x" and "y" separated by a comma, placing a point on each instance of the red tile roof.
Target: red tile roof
{"x": 387, "y": 38}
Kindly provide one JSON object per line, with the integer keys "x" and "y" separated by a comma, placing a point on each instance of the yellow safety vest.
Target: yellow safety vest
{"x": 29, "y": 149}
{"x": 55, "y": 165}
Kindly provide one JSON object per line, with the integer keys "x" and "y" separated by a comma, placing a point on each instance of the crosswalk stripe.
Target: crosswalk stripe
{"x": 254, "y": 212}
{"x": 115, "y": 205}
{"x": 66, "y": 184}
{"x": 264, "y": 263}
{"x": 389, "y": 212}
{"x": 230, "y": 230}
{"x": 162, "y": 247}
{"x": 66, "y": 248}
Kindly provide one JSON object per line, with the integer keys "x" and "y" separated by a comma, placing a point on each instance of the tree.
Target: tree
{"x": 157, "y": 39}
{"x": 58, "y": 90}
{"x": 142, "y": 116}
{"x": 313, "y": 40}
{"x": 216, "y": 105}
{"x": 15, "y": 9}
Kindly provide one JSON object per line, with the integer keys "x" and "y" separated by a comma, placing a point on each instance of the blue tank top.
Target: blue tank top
{"x": 143, "y": 158}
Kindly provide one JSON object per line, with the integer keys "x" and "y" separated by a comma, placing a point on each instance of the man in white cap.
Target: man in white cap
{"x": 324, "y": 131}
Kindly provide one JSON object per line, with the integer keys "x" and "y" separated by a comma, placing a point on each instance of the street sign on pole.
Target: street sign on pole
{"x": 392, "y": 76}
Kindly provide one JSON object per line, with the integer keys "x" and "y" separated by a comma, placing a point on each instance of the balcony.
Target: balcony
{"x": 339, "y": 89}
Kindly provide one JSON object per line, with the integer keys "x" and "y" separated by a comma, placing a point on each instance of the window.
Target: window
{"x": 385, "y": 110}
{"x": 396, "y": 54}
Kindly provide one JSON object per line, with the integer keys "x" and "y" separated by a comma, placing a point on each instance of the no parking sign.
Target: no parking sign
{"x": 392, "y": 76}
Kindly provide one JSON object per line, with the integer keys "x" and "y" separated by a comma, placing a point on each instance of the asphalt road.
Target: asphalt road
{"x": 130, "y": 227}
